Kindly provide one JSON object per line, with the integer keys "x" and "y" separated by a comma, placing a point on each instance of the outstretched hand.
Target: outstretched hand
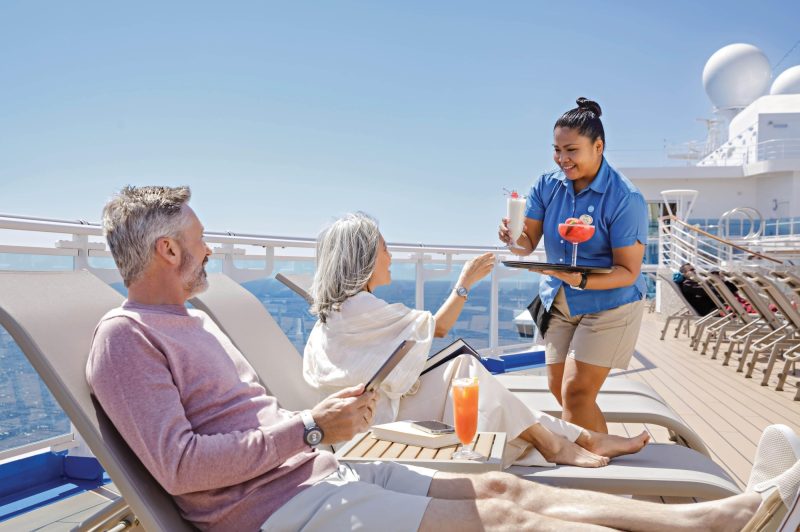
{"x": 345, "y": 413}
{"x": 476, "y": 269}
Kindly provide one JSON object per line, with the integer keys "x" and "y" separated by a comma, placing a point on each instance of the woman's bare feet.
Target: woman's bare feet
{"x": 610, "y": 445}
{"x": 558, "y": 449}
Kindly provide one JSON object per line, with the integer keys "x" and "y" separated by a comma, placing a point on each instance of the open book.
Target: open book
{"x": 405, "y": 432}
{"x": 459, "y": 347}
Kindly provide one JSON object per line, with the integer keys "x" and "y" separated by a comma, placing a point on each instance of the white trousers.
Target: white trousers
{"x": 499, "y": 410}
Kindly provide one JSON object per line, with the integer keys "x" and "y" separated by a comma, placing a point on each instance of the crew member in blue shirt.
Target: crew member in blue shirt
{"x": 594, "y": 318}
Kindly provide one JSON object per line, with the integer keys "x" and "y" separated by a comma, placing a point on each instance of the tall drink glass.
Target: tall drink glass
{"x": 465, "y": 410}
{"x": 516, "y": 218}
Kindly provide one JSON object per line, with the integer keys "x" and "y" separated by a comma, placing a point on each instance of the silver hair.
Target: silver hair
{"x": 136, "y": 217}
{"x": 346, "y": 255}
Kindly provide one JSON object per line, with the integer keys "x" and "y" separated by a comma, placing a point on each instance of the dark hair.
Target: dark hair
{"x": 585, "y": 119}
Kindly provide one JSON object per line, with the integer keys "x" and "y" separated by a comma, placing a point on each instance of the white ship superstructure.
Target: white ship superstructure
{"x": 752, "y": 155}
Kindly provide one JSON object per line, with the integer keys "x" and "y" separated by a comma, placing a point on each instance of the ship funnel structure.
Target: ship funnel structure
{"x": 734, "y": 77}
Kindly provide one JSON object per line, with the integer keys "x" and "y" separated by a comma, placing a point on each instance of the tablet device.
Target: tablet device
{"x": 387, "y": 367}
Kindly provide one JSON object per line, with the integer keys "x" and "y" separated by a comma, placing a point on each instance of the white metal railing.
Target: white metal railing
{"x": 681, "y": 243}
{"x": 56, "y": 443}
{"x": 245, "y": 257}
{"x": 767, "y": 150}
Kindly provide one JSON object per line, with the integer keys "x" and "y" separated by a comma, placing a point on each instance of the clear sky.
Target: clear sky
{"x": 282, "y": 115}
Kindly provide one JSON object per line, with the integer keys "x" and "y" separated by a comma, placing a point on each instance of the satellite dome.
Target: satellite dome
{"x": 788, "y": 82}
{"x": 736, "y": 75}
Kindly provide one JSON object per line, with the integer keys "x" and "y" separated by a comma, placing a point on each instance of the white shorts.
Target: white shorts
{"x": 383, "y": 496}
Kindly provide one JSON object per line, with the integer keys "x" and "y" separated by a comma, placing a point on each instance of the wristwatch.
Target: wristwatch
{"x": 313, "y": 434}
{"x": 582, "y": 284}
{"x": 461, "y": 291}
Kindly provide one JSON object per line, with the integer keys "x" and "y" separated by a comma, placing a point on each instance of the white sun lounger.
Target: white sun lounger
{"x": 52, "y": 317}
{"x": 659, "y": 469}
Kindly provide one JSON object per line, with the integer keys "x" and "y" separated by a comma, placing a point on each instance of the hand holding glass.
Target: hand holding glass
{"x": 465, "y": 412}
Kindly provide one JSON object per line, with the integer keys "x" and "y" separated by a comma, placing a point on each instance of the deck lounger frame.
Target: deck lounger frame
{"x": 51, "y": 316}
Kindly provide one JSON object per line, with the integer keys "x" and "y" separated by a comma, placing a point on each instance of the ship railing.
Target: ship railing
{"x": 46, "y": 244}
{"x": 766, "y": 150}
{"x": 681, "y": 243}
{"x": 774, "y": 150}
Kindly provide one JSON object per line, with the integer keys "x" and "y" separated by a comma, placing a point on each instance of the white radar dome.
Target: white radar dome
{"x": 736, "y": 75}
{"x": 788, "y": 82}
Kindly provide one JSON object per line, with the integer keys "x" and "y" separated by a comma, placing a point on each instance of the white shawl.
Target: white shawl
{"x": 357, "y": 340}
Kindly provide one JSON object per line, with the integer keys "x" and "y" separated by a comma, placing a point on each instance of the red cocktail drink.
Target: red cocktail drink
{"x": 575, "y": 231}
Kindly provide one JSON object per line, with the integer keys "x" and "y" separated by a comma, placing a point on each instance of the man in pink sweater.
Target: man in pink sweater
{"x": 194, "y": 412}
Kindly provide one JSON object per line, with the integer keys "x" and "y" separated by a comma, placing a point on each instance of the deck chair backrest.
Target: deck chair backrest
{"x": 677, "y": 290}
{"x": 297, "y": 283}
{"x": 789, "y": 279}
{"x": 778, "y": 298}
{"x": 728, "y": 297}
{"x": 712, "y": 295}
{"x": 52, "y": 316}
{"x": 757, "y": 298}
{"x": 262, "y": 342}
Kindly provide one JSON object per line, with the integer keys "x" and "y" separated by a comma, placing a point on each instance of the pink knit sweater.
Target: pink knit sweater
{"x": 192, "y": 409}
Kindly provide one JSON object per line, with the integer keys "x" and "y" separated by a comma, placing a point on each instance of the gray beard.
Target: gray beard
{"x": 194, "y": 281}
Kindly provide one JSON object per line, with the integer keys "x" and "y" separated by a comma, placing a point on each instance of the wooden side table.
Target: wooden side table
{"x": 367, "y": 448}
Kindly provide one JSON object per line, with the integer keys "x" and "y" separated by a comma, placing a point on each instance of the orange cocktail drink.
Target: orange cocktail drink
{"x": 465, "y": 413}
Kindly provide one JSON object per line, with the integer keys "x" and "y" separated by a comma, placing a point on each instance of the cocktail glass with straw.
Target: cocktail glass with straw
{"x": 465, "y": 410}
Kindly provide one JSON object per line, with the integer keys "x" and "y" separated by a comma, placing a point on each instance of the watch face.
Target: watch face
{"x": 461, "y": 291}
{"x": 313, "y": 437}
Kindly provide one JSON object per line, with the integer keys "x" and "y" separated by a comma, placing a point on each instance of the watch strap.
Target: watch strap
{"x": 308, "y": 419}
{"x": 584, "y": 279}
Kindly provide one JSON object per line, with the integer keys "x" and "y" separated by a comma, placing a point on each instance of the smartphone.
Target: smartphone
{"x": 433, "y": 427}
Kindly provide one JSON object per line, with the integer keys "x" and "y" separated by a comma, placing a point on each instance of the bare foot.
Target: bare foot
{"x": 610, "y": 445}
{"x": 558, "y": 449}
{"x": 573, "y": 454}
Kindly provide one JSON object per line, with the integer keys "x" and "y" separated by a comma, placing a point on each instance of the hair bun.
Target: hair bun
{"x": 589, "y": 105}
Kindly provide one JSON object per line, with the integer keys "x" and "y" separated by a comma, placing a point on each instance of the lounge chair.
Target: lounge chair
{"x": 791, "y": 339}
{"x": 300, "y": 284}
{"x": 738, "y": 318}
{"x": 52, "y": 316}
{"x": 659, "y": 469}
{"x": 684, "y": 316}
{"x": 781, "y": 334}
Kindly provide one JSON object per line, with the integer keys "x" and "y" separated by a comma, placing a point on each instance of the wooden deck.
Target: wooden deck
{"x": 727, "y": 410}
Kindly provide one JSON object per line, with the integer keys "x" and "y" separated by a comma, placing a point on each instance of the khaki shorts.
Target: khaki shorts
{"x": 383, "y": 496}
{"x": 606, "y": 338}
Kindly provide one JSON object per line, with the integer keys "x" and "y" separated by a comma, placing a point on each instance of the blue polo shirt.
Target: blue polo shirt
{"x": 619, "y": 214}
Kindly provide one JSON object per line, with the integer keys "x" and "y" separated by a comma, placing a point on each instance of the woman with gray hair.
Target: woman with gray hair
{"x": 356, "y": 331}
